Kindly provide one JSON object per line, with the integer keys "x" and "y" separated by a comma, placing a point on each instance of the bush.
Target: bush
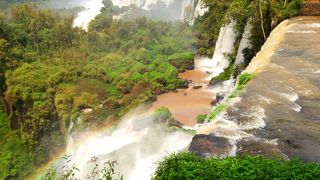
{"x": 220, "y": 108}
{"x": 244, "y": 79}
{"x": 183, "y": 61}
{"x": 189, "y": 166}
{"x": 201, "y": 118}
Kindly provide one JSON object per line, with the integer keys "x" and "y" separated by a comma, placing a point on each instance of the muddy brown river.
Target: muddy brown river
{"x": 186, "y": 104}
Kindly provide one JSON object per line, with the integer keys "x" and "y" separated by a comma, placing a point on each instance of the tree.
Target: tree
{"x": 261, "y": 19}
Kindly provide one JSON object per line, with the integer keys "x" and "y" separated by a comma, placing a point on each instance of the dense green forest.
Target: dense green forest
{"x": 51, "y": 73}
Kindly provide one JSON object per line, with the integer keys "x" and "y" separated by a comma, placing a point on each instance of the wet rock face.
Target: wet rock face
{"x": 247, "y": 146}
{"x": 206, "y": 145}
{"x": 197, "y": 87}
{"x": 214, "y": 82}
{"x": 219, "y": 97}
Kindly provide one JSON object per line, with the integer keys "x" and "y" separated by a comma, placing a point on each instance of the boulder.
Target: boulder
{"x": 219, "y": 97}
{"x": 197, "y": 87}
{"x": 250, "y": 146}
{"x": 210, "y": 145}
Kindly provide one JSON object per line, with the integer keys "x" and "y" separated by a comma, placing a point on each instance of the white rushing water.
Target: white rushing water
{"x": 244, "y": 43}
{"x": 224, "y": 45}
{"x": 92, "y": 9}
{"x": 137, "y": 144}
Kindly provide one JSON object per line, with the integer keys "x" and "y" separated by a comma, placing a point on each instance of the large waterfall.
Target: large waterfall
{"x": 172, "y": 10}
{"x": 137, "y": 144}
{"x": 92, "y": 9}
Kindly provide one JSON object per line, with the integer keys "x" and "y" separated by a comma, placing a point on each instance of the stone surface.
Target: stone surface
{"x": 206, "y": 145}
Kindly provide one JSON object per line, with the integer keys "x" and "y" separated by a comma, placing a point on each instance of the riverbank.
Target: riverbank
{"x": 186, "y": 104}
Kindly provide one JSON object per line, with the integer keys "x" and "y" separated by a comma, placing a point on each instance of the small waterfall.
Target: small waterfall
{"x": 244, "y": 43}
{"x": 224, "y": 45}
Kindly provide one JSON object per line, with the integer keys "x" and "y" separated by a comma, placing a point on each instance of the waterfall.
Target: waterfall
{"x": 199, "y": 10}
{"x": 137, "y": 143}
{"x": 224, "y": 45}
{"x": 186, "y": 4}
{"x": 244, "y": 43}
{"x": 92, "y": 9}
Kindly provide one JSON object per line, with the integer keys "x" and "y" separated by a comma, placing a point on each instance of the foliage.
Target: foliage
{"x": 201, "y": 118}
{"x": 190, "y": 166}
{"x": 244, "y": 13}
{"x": 69, "y": 171}
{"x": 52, "y": 73}
{"x": 15, "y": 160}
{"x": 243, "y": 79}
{"x": 217, "y": 110}
{"x": 223, "y": 76}
{"x": 162, "y": 113}
{"x": 182, "y": 61}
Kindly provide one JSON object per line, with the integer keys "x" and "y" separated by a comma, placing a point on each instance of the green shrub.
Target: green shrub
{"x": 183, "y": 61}
{"x": 244, "y": 79}
{"x": 225, "y": 75}
{"x": 201, "y": 118}
{"x": 186, "y": 165}
{"x": 15, "y": 160}
{"x": 220, "y": 108}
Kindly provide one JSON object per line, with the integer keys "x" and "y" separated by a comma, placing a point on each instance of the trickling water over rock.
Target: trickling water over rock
{"x": 279, "y": 111}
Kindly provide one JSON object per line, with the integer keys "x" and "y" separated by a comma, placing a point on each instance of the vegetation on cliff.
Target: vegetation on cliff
{"x": 259, "y": 16}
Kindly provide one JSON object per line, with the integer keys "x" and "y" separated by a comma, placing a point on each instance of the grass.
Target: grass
{"x": 186, "y": 165}
{"x": 241, "y": 84}
{"x": 220, "y": 108}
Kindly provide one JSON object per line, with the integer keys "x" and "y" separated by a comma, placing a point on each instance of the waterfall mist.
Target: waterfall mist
{"x": 168, "y": 10}
{"x": 137, "y": 143}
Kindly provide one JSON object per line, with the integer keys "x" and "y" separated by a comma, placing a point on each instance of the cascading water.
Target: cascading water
{"x": 224, "y": 45}
{"x": 199, "y": 10}
{"x": 137, "y": 143}
{"x": 244, "y": 43}
{"x": 175, "y": 8}
{"x": 92, "y": 9}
